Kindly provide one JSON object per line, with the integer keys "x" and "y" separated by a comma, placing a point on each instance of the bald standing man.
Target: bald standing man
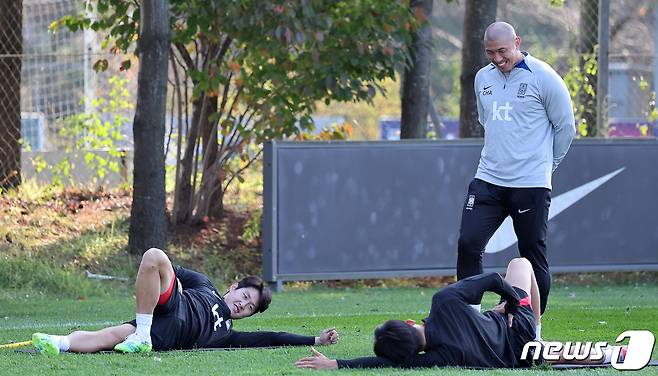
{"x": 526, "y": 111}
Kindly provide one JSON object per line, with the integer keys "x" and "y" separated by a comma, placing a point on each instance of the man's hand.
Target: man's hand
{"x": 327, "y": 337}
{"x": 500, "y": 308}
{"x": 317, "y": 361}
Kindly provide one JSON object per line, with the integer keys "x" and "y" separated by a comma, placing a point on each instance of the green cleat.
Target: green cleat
{"x": 133, "y": 344}
{"x": 44, "y": 344}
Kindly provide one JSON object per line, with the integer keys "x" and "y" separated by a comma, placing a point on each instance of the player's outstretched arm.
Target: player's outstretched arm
{"x": 317, "y": 361}
{"x": 270, "y": 339}
{"x": 320, "y": 361}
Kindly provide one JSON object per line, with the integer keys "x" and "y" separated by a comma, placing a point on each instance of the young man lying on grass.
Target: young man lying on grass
{"x": 456, "y": 335}
{"x": 181, "y": 309}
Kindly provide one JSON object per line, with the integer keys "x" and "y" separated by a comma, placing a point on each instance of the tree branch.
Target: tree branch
{"x": 235, "y": 174}
{"x": 185, "y": 55}
{"x": 225, "y": 45}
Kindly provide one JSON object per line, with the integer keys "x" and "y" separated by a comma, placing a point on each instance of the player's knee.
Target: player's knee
{"x": 116, "y": 334}
{"x": 154, "y": 252}
{"x": 153, "y": 257}
{"x": 520, "y": 262}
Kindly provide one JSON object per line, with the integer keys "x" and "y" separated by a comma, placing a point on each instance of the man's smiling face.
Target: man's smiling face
{"x": 503, "y": 53}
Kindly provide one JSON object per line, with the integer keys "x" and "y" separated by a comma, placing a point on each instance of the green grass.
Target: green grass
{"x": 597, "y": 313}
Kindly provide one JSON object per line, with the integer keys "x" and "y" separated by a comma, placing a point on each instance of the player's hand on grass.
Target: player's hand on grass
{"x": 317, "y": 361}
{"x": 327, "y": 337}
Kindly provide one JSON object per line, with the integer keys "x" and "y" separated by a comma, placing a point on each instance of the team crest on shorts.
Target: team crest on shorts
{"x": 471, "y": 202}
{"x": 522, "y": 88}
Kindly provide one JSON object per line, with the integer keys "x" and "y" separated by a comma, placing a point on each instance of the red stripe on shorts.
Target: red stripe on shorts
{"x": 164, "y": 297}
{"x": 525, "y": 301}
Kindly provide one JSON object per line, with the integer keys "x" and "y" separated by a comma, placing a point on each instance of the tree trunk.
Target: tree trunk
{"x": 210, "y": 190}
{"x": 147, "y": 217}
{"x": 217, "y": 201}
{"x": 415, "y": 85}
{"x": 184, "y": 191}
{"x": 208, "y": 141}
{"x": 478, "y": 14}
{"x": 210, "y": 156}
{"x": 588, "y": 39}
{"x": 11, "y": 45}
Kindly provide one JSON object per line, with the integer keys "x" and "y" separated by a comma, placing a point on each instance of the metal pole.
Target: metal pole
{"x": 655, "y": 58}
{"x": 270, "y": 236}
{"x": 603, "y": 74}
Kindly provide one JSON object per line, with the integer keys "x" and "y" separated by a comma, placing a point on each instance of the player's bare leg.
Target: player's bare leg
{"x": 535, "y": 302}
{"x": 104, "y": 339}
{"x": 153, "y": 279}
{"x": 520, "y": 274}
{"x": 82, "y": 341}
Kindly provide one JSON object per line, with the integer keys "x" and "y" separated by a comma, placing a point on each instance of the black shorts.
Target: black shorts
{"x": 167, "y": 324}
{"x": 523, "y": 327}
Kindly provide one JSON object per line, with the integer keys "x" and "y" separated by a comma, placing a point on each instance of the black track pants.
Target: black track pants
{"x": 486, "y": 207}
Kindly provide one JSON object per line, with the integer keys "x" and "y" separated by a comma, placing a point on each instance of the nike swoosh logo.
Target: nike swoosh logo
{"x": 505, "y": 237}
{"x": 487, "y": 87}
{"x": 523, "y": 211}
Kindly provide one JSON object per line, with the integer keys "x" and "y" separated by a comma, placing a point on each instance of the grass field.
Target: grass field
{"x": 576, "y": 313}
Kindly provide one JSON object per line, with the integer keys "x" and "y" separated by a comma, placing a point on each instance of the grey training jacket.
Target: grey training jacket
{"x": 528, "y": 121}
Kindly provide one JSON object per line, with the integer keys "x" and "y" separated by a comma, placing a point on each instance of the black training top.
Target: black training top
{"x": 201, "y": 319}
{"x": 456, "y": 334}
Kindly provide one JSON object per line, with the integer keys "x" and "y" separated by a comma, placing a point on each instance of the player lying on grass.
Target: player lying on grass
{"x": 181, "y": 309}
{"x": 454, "y": 334}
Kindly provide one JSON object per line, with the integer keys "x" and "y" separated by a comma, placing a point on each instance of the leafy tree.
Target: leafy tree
{"x": 248, "y": 71}
{"x": 365, "y": 116}
{"x": 11, "y": 46}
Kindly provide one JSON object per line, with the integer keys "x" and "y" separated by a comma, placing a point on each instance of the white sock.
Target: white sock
{"x": 144, "y": 322}
{"x": 62, "y": 342}
{"x": 538, "y": 332}
{"x": 476, "y": 307}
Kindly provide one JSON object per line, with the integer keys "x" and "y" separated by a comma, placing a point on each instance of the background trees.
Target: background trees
{"x": 244, "y": 72}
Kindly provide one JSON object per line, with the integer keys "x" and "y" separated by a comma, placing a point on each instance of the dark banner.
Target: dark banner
{"x": 378, "y": 209}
